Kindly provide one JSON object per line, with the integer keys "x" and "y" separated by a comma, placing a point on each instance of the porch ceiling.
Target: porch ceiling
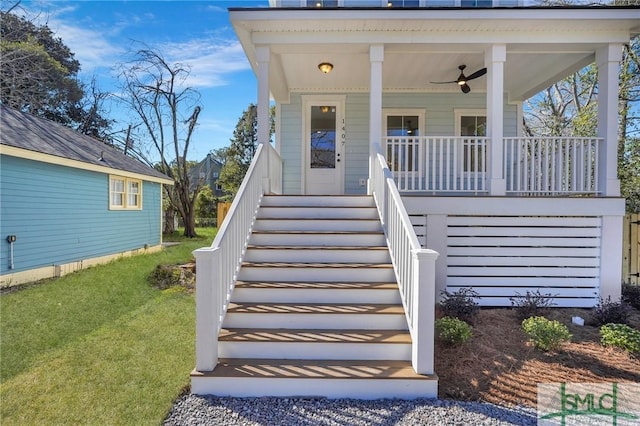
{"x": 421, "y": 46}
{"x": 413, "y": 70}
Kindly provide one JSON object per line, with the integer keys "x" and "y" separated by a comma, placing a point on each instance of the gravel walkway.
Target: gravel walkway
{"x": 210, "y": 410}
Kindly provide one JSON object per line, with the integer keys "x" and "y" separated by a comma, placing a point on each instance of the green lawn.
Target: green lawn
{"x": 99, "y": 346}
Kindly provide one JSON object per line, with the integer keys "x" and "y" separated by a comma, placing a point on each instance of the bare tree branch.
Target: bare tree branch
{"x": 154, "y": 90}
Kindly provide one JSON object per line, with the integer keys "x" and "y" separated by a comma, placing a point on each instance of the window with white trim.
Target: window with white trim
{"x": 469, "y": 124}
{"x": 401, "y": 129}
{"x": 125, "y": 193}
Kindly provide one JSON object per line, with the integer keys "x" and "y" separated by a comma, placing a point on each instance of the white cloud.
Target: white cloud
{"x": 91, "y": 48}
{"x": 210, "y": 60}
{"x": 98, "y": 45}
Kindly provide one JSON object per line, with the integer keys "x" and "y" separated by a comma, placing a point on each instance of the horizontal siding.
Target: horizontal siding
{"x": 419, "y": 223}
{"x": 501, "y": 257}
{"x": 291, "y": 145}
{"x": 357, "y": 145}
{"x": 61, "y": 215}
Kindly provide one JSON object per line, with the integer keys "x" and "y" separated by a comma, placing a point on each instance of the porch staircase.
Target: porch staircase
{"x": 316, "y": 310}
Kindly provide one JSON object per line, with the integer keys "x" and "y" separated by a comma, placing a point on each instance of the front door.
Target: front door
{"x": 324, "y": 147}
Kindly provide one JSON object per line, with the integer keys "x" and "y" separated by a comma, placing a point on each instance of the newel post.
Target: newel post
{"x": 207, "y": 307}
{"x": 424, "y": 300}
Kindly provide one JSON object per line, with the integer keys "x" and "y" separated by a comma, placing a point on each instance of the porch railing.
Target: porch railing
{"x": 438, "y": 164}
{"x": 551, "y": 165}
{"x": 218, "y": 265}
{"x": 532, "y": 165}
{"x": 413, "y": 265}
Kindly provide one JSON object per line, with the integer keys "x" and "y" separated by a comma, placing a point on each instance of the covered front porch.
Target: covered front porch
{"x": 450, "y": 205}
{"x": 394, "y": 63}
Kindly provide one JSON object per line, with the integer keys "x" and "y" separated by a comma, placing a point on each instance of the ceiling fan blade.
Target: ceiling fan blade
{"x": 443, "y": 82}
{"x": 477, "y": 74}
{"x": 465, "y": 88}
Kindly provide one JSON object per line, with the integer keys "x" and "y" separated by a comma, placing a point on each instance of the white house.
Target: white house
{"x": 400, "y": 170}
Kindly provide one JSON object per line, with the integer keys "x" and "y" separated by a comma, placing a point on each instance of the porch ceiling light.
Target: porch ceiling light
{"x": 325, "y": 67}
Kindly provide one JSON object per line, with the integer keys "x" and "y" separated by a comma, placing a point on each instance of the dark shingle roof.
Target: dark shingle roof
{"x": 22, "y": 130}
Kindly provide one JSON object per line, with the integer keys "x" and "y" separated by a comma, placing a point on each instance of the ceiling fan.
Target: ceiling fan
{"x": 462, "y": 79}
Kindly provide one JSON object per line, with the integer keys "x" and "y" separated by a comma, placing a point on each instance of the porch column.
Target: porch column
{"x": 263, "y": 56}
{"x": 520, "y": 118}
{"x": 376, "y": 56}
{"x": 608, "y": 59}
{"x": 495, "y": 57}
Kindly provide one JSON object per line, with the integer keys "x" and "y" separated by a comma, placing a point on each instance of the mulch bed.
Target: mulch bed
{"x": 499, "y": 365}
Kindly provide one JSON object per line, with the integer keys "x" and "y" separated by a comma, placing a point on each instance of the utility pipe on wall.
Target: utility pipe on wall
{"x": 11, "y": 239}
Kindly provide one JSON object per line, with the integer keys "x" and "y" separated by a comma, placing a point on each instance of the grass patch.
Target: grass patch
{"x": 99, "y": 346}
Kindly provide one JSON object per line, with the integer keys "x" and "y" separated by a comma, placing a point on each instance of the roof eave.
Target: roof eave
{"x": 61, "y": 161}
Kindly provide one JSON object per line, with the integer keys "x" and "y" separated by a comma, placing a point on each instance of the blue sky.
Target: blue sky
{"x": 196, "y": 33}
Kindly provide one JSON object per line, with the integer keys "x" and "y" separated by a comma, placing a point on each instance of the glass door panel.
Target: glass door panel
{"x": 323, "y": 137}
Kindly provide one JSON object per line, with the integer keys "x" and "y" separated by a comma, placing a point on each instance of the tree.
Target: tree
{"x": 237, "y": 157}
{"x": 92, "y": 122}
{"x": 569, "y": 108}
{"x": 206, "y": 203}
{"x": 629, "y": 130}
{"x": 565, "y": 109}
{"x": 39, "y": 75}
{"x": 168, "y": 114}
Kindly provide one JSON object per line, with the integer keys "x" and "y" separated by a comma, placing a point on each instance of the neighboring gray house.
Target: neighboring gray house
{"x": 208, "y": 170}
{"x": 68, "y": 201}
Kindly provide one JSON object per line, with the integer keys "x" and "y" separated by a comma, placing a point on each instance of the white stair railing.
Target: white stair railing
{"x": 217, "y": 266}
{"x": 413, "y": 265}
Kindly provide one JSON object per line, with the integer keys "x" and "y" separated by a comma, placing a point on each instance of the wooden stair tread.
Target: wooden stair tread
{"x": 315, "y": 265}
{"x": 311, "y": 247}
{"x": 313, "y": 369}
{"x": 314, "y": 308}
{"x": 317, "y": 232}
{"x": 329, "y": 219}
{"x": 316, "y": 206}
{"x": 317, "y": 285}
{"x": 279, "y": 335}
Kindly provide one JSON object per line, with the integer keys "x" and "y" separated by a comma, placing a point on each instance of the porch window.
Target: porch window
{"x": 402, "y": 156}
{"x": 471, "y": 124}
{"x": 125, "y": 193}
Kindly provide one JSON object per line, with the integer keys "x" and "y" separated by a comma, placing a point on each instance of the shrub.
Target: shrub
{"x": 621, "y": 336}
{"x": 452, "y": 330}
{"x": 532, "y": 304}
{"x": 167, "y": 276}
{"x": 545, "y": 334}
{"x": 608, "y": 311}
{"x": 631, "y": 295}
{"x": 461, "y": 304}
